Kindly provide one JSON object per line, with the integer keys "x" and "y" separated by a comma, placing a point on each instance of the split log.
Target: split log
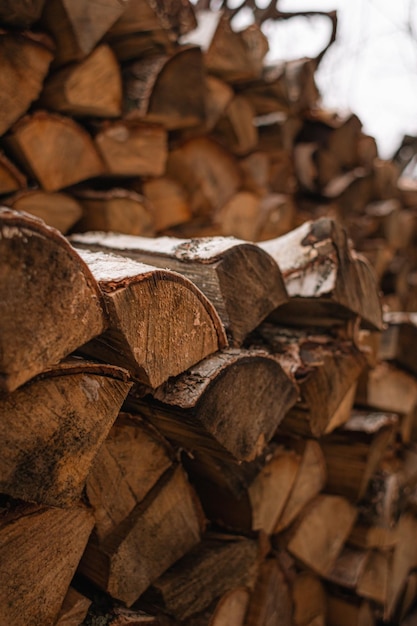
{"x": 150, "y": 313}
{"x": 373, "y": 537}
{"x": 115, "y": 210}
{"x": 167, "y": 90}
{"x": 223, "y": 268}
{"x": 21, "y": 13}
{"x": 52, "y": 428}
{"x": 59, "y": 210}
{"x": 354, "y": 452}
{"x": 246, "y": 497}
{"x": 11, "y": 179}
{"x": 276, "y": 132}
{"x": 132, "y": 149}
{"x": 318, "y": 536}
{"x": 348, "y": 611}
{"x": 208, "y": 173}
{"x": 169, "y": 203}
{"x": 92, "y": 87}
{"x": 216, "y": 565}
{"x": 63, "y": 143}
{"x": 404, "y": 560}
{"x": 326, "y": 370}
{"x": 270, "y": 602}
{"x": 400, "y": 333}
{"x": 25, "y": 60}
{"x": 32, "y": 540}
{"x": 61, "y": 322}
{"x": 74, "y": 609}
{"x": 132, "y": 459}
{"x": 374, "y": 579}
{"x": 229, "y": 404}
{"x": 78, "y": 26}
{"x": 323, "y": 276}
{"x": 163, "y": 527}
{"x": 387, "y": 388}
{"x": 309, "y": 481}
{"x": 308, "y": 600}
{"x": 228, "y": 610}
{"x": 235, "y": 128}
{"x": 348, "y": 568}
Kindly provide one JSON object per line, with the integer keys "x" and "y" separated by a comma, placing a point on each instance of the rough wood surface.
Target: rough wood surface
{"x": 222, "y": 267}
{"x": 39, "y": 551}
{"x": 59, "y": 210}
{"x": 62, "y": 309}
{"x": 400, "y": 332}
{"x": 74, "y": 609}
{"x": 270, "y": 602}
{"x": 53, "y": 427}
{"x": 11, "y": 179}
{"x": 228, "y": 404}
{"x": 151, "y": 312}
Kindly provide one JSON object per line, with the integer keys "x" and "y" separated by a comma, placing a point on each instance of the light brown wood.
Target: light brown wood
{"x": 53, "y": 427}
{"x": 39, "y": 551}
{"x": 399, "y": 333}
{"x": 159, "y": 531}
{"x": 92, "y": 87}
{"x": 74, "y": 609}
{"x": 169, "y": 203}
{"x": 11, "y": 179}
{"x": 47, "y": 305}
{"x": 228, "y": 404}
{"x": 132, "y": 459}
{"x": 229, "y": 610}
{"x": 349, "y": 612}
{"x": 68, "y": 155}
{"x": 132, "y": 149}
{"x": 373, "y": 582}
{"x": 150, "y": 312}
{"x": 308, "y": 599}
{"x": 270, "y": 602}
{"x": 319, "y": 536}
{"x": 235, "y": 128}
{"x": 59, "y": 210}
{"x": 404, "y": 560}
{"x": 25, "y": 60}
{"x": 223, "y": 268}
{"x": 387, "y": 388}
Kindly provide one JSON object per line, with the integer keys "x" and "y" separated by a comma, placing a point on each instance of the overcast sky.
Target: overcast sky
{"x": 370, "y": 70}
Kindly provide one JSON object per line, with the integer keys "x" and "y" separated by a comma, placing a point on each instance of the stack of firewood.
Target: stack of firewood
{"x": 197, "y": 432}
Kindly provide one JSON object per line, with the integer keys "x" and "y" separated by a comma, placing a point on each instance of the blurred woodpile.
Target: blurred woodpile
{"x": 198, "y": 432}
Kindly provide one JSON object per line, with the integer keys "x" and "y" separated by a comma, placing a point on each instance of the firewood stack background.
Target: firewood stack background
{"x": 217, "y": 429}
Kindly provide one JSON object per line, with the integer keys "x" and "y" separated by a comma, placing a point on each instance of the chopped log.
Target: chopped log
{"x": 53, "y": 427}
{"x": 150, "y": 313}
{"x": 387, "y": 388}
{"x": 235, "y": 128}
{"x": 229, "y": 610}
{"x": 169, "y": 203}
{"x": 229, "y": 404}
{"x": 242, "y": 498}
{"x": 239, "y": 216}
{"x": 347, "y": 611}
{"x": 270, "y": 602}
{"x": 318, "y": 537}
{"x": 373, "y": 581}
{"x": 158, "y": 532}
{"x": 131, "y": 461}
{"x": 223, "y": 268}
{"x": 276, "y": 132}
{"x": 132, "y": 149}
{"x": 78, "y": 26}
{"x": 408, "y": 598}
{"x": 277, "y": 216}
{"x": 115, "y": 210}
{"x": 308, "y": 599}
{"x": 326, "y": 370}
{"x": 61, "y": 322}
{"x": 323, "y": 276}
{"x": 372, "y": 537}
{"x": 207, "y": 172}
{"x": 309, "y": 481}
{"x": 92, "y": 87}
{"x": 21, "y": 13}
{"x": 25, "y": 60}
{"x": 11, "y": 179}
{"x": 167, "y": 90}
{"x": 219, "y": 96}
{"x": 59, "y": 210}
{"x": 400, "y": 332}
{"x": 354, "y": 451}
{"x": 74, "y": 609}
{"x": 256, "y": 172}
{"x": 212, "y": 568}
{"x": 404, "y": 560}
{"x": 64, "y": 144}
{"x": 38, "y": 539}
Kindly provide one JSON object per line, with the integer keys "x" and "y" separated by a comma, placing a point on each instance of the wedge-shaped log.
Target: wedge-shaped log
{"x": 324, "y": 277}
{"x": 354, "y": 452}
{"x": 399, "y": 334}
{"x": 67, "y": 155}
{"x": 40, "y": 549}
{"x": 131, "y": 461}
{"x": 222, "y": 267}
{"x": 151, "y": 312}
{"x": 216, "y": 565}
{"x": 270, "y": 601}
{"x": 158, "y": 532}
{"x": 52, "y": 428}
{"x": 387, "y": 388}
{"x": 78, "y": 26}
{"x": 59, "y": 210}
{"x": 308, "y": 599}
{"x": 168, "y": 90}
{"x": 92, "y": 87}
{"x": 74, "y": 609}
{"x": 326, "y": 370}
{"x": 11, "y": 179}
{"x": 228, "y": 404}
{"x": 246, "y": 497}
{"x": 24, "y": 60}
{"x": 318, "y": 536}
{"x": 61, "y": 309}
{"x": 230, "y": 608}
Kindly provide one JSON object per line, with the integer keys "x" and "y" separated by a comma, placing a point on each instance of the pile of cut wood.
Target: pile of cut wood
{"x": 205, "y": 431}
